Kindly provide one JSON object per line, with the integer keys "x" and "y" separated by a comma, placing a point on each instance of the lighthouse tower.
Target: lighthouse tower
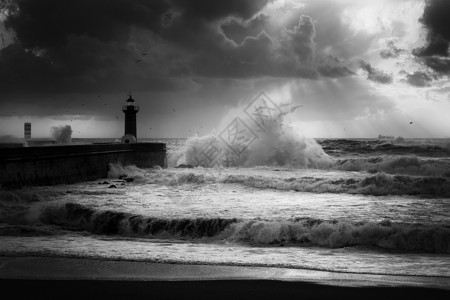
{"x": 130, "y": 111}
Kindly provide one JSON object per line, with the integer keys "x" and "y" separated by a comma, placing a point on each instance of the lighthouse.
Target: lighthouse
{"x": 130, "y": 110}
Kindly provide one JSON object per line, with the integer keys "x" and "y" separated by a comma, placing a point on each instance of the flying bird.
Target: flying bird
{"x": 144, "y": 54}
{"x": 410, "y": 122}
{"x": 117, "y": 117}
{"x": 139, "y": 60}
{"x": 173, "y": 109}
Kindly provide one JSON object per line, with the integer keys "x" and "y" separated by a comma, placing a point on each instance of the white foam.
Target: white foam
{"x": 406, "y": 164}
{"x": 385, "y": 235}
{"x": 62, "y": 134}
{"x": 277, "y": 145}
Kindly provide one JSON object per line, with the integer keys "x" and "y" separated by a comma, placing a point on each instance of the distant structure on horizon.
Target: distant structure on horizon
{"x": 27, "y": 130}
{"x": 130, "y": 110}
{"x": 380, "y": 136}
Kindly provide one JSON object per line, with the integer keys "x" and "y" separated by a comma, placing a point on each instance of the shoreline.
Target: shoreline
{"x": 79, "y": 278}
{"x": 210, "y": 289}
{"x": 75, "y": 268}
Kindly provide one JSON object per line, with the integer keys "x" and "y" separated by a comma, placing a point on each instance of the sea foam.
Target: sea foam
{"x": 303, "y": 232}
{"x": 278, "y": 144}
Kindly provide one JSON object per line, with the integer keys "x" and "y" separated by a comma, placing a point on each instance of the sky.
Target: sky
{"x": 354, "y": 68}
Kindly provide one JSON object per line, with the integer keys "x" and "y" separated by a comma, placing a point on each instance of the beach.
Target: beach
{"x": 52, "y": 277}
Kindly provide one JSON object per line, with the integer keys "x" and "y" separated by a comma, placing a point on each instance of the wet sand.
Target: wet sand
{"x": 63, "y": 278}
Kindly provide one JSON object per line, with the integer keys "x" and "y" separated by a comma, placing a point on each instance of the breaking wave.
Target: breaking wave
{"x": 407, "y": 164}
{"x": 301, "y": 232}
{"x": 337, "y": 234}
{"x": 62, "y": 134}
{"x": 269, "y": 151}
{"x": 78, "y": 217}
{"x": 293, "y": 151}
{"x": 278, "y": 144}
{"x": 399, "y": 146}
{"x": 378, "y": 184}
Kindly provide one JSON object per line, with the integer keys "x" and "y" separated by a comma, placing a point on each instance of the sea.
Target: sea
{"x": 365, "y": 206}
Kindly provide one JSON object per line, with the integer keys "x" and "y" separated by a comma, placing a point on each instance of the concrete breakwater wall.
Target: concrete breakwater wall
{"x": 73, "y": 163}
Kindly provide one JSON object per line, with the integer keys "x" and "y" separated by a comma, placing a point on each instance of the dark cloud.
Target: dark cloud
{"x": 331, "y": 66}
{"x": 117, "y": 45}
{"x": 419, "y": 79}
{"x": 51, "y": 23}
{"x": 212, "y": 10}
{"x": 375, "y": 74}
{"x": 299, "y": 43}
{"x": 439, "y": 64}
{"x": 237, "y": 30}
{"x": 333, "y": 34}
{"x": 436, "y": 46}
{"x": 251, "y": 58}
{"x": 85, "y": 65}
{"x": 86, "y": 46}
{"x": 292, "y": 54}
{"x": 436, "y": 19}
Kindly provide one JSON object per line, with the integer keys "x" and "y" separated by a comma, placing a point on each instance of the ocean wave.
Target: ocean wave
{"x": 78, "y": 217}
{"x": 131, "y": 171}
{"x": 408, "y": 164}
{"x": 337, "y": 234}
{"x": 14, "y": 196}
{"x": 399, "y": 146}
{"x": 27, "y": 230}
{"x": 300, "y": 232}
{"x": 386, "y": 176}
{"x": 378, "y": 184}
{"x": 16, "y": 205}
{"x": 277, "y": 145}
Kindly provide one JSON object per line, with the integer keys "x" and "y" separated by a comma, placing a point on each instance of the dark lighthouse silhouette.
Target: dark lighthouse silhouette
{"x": 130, "y": 110}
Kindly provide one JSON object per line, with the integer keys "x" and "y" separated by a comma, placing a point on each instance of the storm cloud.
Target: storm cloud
{"x": 77, "y": 60}
{"x": 106, "y": 46}
{"x": 375, "y": 74}
{"x": 436, "y": 19}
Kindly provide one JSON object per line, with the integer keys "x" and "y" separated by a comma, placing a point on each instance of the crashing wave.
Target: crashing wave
{"x": 278, "y": 144}
{"x": 407, "y": 164}
{"x": 379, "y": 184}
{"x": 302, "y": 232}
